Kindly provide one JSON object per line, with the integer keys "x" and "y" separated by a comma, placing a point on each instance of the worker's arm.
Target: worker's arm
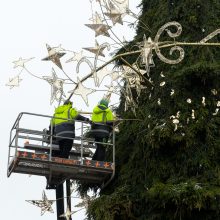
{"x": 74, "y": 114}
{"x": 82, "y": 118}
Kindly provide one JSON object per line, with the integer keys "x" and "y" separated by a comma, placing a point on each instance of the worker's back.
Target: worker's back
{"x": 102, "y": 118}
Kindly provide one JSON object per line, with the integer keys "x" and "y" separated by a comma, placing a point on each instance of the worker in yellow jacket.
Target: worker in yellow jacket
{"x": 102, "y": 122}
{"x": 65, "y": 128}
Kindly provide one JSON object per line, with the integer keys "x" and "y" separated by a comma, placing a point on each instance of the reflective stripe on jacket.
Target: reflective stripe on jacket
{"x": 65, "y": 130}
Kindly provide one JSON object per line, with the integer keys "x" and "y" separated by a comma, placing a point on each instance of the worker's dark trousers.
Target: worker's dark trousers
{"x": 65, "y": 146}
{"x": 100, "y": 150}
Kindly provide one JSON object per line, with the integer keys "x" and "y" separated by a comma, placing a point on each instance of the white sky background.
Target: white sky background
{"x": 26, "y": 26}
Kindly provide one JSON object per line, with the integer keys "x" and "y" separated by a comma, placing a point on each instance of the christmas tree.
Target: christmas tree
{"x": 167, "y": 161}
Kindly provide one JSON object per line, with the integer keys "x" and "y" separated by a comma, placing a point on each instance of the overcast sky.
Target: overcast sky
{"x": 26, "y": 27}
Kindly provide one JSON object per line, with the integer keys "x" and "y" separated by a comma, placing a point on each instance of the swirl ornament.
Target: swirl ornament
{"x": 174, "y": 48}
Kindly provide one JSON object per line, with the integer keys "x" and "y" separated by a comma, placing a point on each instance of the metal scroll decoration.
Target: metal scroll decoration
{"x": 174, "y": 48}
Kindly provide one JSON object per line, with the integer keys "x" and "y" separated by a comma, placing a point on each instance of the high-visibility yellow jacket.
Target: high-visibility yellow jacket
{"x": 66, "y": 112}
{"x": 63, "y": 126}
{"x": 103, "y": 118}
{"x": 102, "y": 114}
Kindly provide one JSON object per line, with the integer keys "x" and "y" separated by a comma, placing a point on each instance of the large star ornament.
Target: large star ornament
{"x": 82, "y": 91}
{"x": 54, "y": 55}
{"x": 44, "y": 204}
{"x": 56, "y": 86}
{"x": 99, "y": 27}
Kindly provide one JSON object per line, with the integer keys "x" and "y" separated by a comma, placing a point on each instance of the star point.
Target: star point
{"x": 97, "y": 50}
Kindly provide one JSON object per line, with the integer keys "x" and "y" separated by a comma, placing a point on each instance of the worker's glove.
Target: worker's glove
{"x": 89, "y": 121}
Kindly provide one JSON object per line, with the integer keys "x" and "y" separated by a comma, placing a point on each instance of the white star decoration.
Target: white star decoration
{"x": 44, "y": 204}
{"x": 13, "y": 82}
{"x": 97, "y": 50}
{"x": 56, "y": 86}
{"x": 82, "y": 91}
{"x": 20, "y": 62}
{"x": 77, "y": 57}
